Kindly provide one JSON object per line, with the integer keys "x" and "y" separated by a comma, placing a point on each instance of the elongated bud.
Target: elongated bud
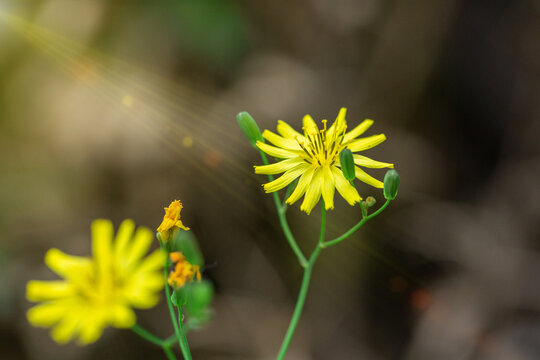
{"x": 249, "y": 127}
{"x": 370, "y": 201}
{"x": 391, "y": 184}
{"x": 347, "y": 164}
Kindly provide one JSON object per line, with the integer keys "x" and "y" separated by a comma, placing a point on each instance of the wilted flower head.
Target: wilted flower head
{"x": 100, "y": 291}
{"x": 171, "y": 220}
{"x": 314, "y": 157}
{"x": 184, "y": 272}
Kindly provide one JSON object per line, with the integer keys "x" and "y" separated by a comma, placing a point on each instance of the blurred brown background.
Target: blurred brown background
{"x": 114, "y": 108}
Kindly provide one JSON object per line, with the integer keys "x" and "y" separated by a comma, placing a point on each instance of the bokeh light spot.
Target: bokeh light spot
{"x": 128, "y": 100}
{"x": 420, "y": 299}
{"x": 212, "y": 158}
{"x": 187, "y": 141}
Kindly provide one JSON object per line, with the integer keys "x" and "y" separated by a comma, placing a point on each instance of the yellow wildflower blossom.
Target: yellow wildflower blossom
{"x": 314, "y": 157}
{"x": 184, "y": 271}
{"x": 100, "y": 291}
{"x": 171, "y": 220}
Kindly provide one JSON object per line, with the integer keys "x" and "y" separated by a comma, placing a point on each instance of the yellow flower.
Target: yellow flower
{"x": 171, "y": 220}
{"x": 100, "y": 291}
{"x": 184, "y": 271}
{"x": 314, "y": 157}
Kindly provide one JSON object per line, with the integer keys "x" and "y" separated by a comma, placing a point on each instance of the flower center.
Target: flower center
{"x": 99, "y": 289}
{"x": 321, "y": 149}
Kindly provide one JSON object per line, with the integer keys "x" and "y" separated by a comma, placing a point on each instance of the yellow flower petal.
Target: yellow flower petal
{"x": 281, "y": 142}
{"x": 345, "y": 189}
{"x": 367, "y": 162}
{"x": 368, "y": 179}
{"x": 154, "y": 261}
{"x": 286, "y": 178}
{"x": 102, "y": 234}
{"x": 309, "y": 125}
{"x": 328, "y": 188}
{"x": 357, "y": 131}
{"x": 339, "y": 125}
{"x": 66, "y": 265}
{"x": 91, "y": 329}
{"x": 302, "y": 185}
{"x": 366, "y": 143}
{"x": 143, "y": 299}
{"x": 140, "y": 244}
{"x": 313, "y": 193}
{"x": 277, "y": 152}
{"x": 67, "y": 328}
{"x": 278, "y": 167}
{"x": 123, "y": 238}
{"x": 287, "y": 131}
{"x": 144, "y": 282}
{"x": 47, "y": 290}
{"x": 46, "y": 314}
{"x": 123, "y": 317}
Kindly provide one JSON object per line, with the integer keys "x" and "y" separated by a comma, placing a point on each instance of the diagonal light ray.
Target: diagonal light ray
{"x": 110, "y": 94}
{"x": 74, "y": 57}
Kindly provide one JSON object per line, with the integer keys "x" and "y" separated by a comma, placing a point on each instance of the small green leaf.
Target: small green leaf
{"x": 200, "y": 295}
{"x": 180, "y": 295}
{"x": 174, "y": 298}
{"x": 186, "y": 243}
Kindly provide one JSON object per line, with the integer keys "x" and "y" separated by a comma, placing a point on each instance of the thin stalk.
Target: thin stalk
{"x": 355, "y": 227}
{"x": 148, "y": 336}
{"x": 168, "y": 296}
{"x": 168, "y": 352}
{"x": 183, "y": 344}
{"x": 283, "y": 221}
{"x": 303, "y": 289}
{"x": 170, "y": 341}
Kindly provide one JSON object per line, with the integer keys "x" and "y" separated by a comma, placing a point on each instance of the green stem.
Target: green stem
{"x": 183, "y": 344}
{"x": 323, "y": 222}
{"x": 148, "y": 336}
{"x": 168, "y": 296}
{"x": 363, "y": 209}
{"x": 168, "y": 352}
{"x": 170, "y": 340}
{"x": 303, "y": 289}
{"x": 355, "y": 227}
{"x": 283, "y": 221}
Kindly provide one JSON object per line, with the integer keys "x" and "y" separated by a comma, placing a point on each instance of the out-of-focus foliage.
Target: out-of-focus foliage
{"x": 212, "y": 33}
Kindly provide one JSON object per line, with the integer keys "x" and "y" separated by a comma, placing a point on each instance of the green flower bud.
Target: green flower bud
{"x": 347, "y": 164}
{"x": 249, "y": 127}
{"x": 370, "y": 201}
{"x": 202, "y": 294}
{"x": 199, "y": 298}
{"x": 391, "y": 184}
